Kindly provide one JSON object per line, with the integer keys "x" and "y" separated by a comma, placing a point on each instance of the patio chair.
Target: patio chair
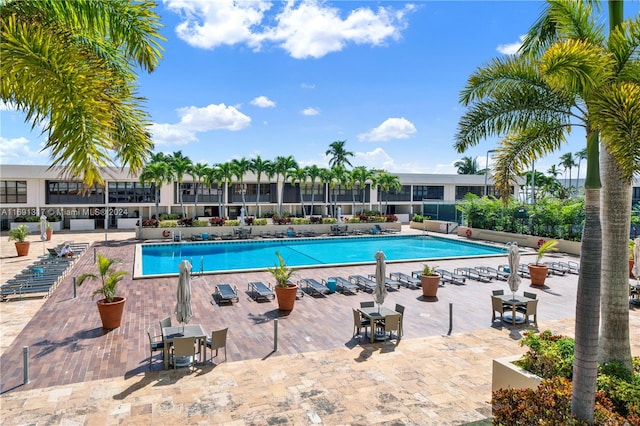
{"x": 496, "y": 304}
{"x": 345, "y": 284}
{"x": 530, "y": 295}
{"x": 226, "y": 293}
{"x": 359, "y": 323}
{"x": 531, "y": 309}
{"x": 165, "y": 322}
{"x": 184, "y": 352}
{"x": 154, "y": 345}
{"x": 260, "y": 290}
{"x": 368, "y": 304}
{"x": 390, "y": 325}
{"x": 400, "y": 309}
{"x": 218, "y": 340}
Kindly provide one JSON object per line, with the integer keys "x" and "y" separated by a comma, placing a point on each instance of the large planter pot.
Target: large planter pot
{"x": 430, "y": 284}
{"x": 22, "y": 248}
{"x": 631, "y": 268}
{"x": 111, "y": 313}
{"x": 286, "y": 297}
{"x": 507, "y": 375}
{"x": 49, "y": 233}
{"x": 538, "y": 274}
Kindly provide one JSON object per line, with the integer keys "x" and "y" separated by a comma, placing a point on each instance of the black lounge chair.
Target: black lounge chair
{"x": 450, "y": 277}
{"x": 496, "y": 273}
{"x": 388, "y": 282}
{"x": 405, "y": 279}
{"x": 226, "y": 293}
{"x": 313, "y": 286}
{"x": 557, "y": 268}
{"x": 473, "y": 273}
{"x": 363, "y": 282}
{"x": 523, "y": 270}
{"x": 260, "y": 290}
{"x": 345, "y": 284}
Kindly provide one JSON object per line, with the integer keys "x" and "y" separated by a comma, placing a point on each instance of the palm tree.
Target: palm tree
{"x": 361, "y": 175}
{"x": 566, "y": 161}
{"x": 468, "y": 166}
{"x": 214, "y": 176}
{"x": 282, "y": 167}
{"x": 326, "y": 177}
{"x": 64, "y": 66}
{"x": 553, "y": 171}
{"x": 388, "y": 182}
{"x": 299, "y": 175}
{"x": 198, "y": 171}
{"x": 258, "y": 167}
{"x": 339, "y": 178}
{"x": 239, "y": 169}
{"x": 580, "y": 155}
{"x": 224, "y": 174}
{"x": 180, "y": 165}
{"x": 534, "y": 99}
{"x": 339, "y": 156}
{"x": 156, "y": 173}
{"x": 313, "y": 172}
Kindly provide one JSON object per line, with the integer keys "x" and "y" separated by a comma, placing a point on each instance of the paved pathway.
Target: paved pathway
{"x": 319, "y": 375}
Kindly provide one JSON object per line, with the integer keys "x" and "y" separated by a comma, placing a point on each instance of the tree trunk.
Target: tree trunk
{"x": 616, "y": 201}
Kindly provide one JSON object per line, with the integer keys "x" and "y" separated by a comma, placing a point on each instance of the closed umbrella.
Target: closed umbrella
{"x": 184, "y": 312}
{"x": 380, "y": 292}
{"x": 636, "y": 258}
{"x": 514, "y": 260}
{"x": 43, "y": 231}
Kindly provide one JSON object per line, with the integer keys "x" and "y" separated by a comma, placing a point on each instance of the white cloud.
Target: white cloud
{"x": 18, "y": 151}
{"x": 510, "y": 49}
{"x": 263, "y": 102}
{"x": 391, "y": 128}
{"x": 309, "y": 28}
{"x": 310, "y": 111}
{"x": 195, "y": 120}
{"x": 7, "y": 106}
{"x": 308, "y": 86}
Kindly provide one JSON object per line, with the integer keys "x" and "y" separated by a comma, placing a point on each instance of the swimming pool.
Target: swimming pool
{"x": 231, "y": 256}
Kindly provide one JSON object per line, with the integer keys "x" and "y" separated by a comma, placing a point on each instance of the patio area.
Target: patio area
{"x": 436, "y": 370}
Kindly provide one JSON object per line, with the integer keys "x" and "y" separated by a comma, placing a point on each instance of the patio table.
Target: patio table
{"x": 173, "y": 332}
{"x": 514, "y": 301}
{"x": 373, "y": 315}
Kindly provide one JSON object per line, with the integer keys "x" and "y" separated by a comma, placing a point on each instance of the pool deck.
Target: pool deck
{"x": 319, "y": 374}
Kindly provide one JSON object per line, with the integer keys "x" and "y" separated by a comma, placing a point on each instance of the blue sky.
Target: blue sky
{"x": 288, "y": 78}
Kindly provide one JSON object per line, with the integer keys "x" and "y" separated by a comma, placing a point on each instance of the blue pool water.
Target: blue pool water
{"x": 226, "y": 256}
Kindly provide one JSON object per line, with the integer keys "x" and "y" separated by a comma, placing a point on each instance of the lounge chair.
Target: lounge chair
{"x": 523, "y": 270}
{"x": 557, "y": 268}
{"x": 345, "y": 284}
{"x": 574, "y": 267}
{"x": 388, "y": 282}
{"x": 363, "y": 282}
{"x": 496, "y": 273}
{"x": 405, "y": 279}
{"x": 260, "y": 290}
{"x": 313, "y": 286}
{"x": 226, "y": 293}
{"x": 473, "y": 273}
{"x": 450, "y": 277}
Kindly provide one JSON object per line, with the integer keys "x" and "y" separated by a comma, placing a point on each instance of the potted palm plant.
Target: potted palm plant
{"x": 538, "y": 271}
{"x": 110, "y": 307}
{"x": 430, "y": 281}
{"x": 19, "y": 235}
{"x": 285, "y": 291}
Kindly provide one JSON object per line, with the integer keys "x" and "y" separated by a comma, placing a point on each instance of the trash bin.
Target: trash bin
{"x": 205, "y": 235}
{"x": 332, "y": 285}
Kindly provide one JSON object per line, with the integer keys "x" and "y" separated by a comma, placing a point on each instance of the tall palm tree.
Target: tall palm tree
{"x": 239, "y": 169}
{"x": 180, "y": 165}
{"x": 361, "y": 175}
{"x": 156, "y": 173}
{"x": 197, "y": 171}
{"x": 468, "y": 166}
{"x": 282, "y": 167}
{"x": 339, "y": 178}
{"x": 299, "y": 175}
{"x": 224, "y": 174}
{"x": 553, "y": 171}
{"x": 339, "y": 155}
{"x": 259, "y": 167}
{"x": 313, "y": 172}
{"x": 534, "y": 99}
{"x": 326, "y": 177}
{"x": 580, "y": 155}
{"x": 388, "y": 182}
{"x": 214, "y": 177}
{"x": 64, "y": 66}
{"x": 567, "y": 162}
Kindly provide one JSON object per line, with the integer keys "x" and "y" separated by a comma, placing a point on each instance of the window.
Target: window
{"x": 64, "y": 192}
{"x": 461, "y": 191}
{"x": 13, "y": 191}
{"x": 423, "y": 192}
{"x": 404, "y": 194}
{"x": 205, "y": 193}
{"x": 131, "y": 192}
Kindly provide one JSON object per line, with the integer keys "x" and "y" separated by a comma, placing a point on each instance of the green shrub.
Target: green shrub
{"x": 260, "y": 222}
{"x": 169, "y": 224}
{"x": 549, "y": 355}
{"x": 622, "y": 387}
{"x": 354, "y": 219}
{"x": 232, "y": 222}
{"x": 329, "y": 220}
{"x": 200, "y": 223}
{"x": 417, "y": 218}
{"x": 300, "y": 221}
{"x": 169, "y": 216}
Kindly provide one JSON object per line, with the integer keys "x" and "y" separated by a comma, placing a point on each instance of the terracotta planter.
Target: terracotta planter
{"x": 49, "y": 233}
{"x": 538, "y": 274}
{"x": 286, "y": 297}
{"x": 631, "y": 268}
{"x": 111, "y": 313}
{"x": 22, "y": 248}
{"x": 430, "y": 284}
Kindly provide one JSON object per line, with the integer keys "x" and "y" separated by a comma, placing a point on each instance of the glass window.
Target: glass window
{"x": 13, "y": 191}
{"x": 424, "y": 192}
{"x": 63, "y": 192}
{"x": 404, "y": 194}
{"x": 461, "y": 191}
{"x": 131, "y": 192}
